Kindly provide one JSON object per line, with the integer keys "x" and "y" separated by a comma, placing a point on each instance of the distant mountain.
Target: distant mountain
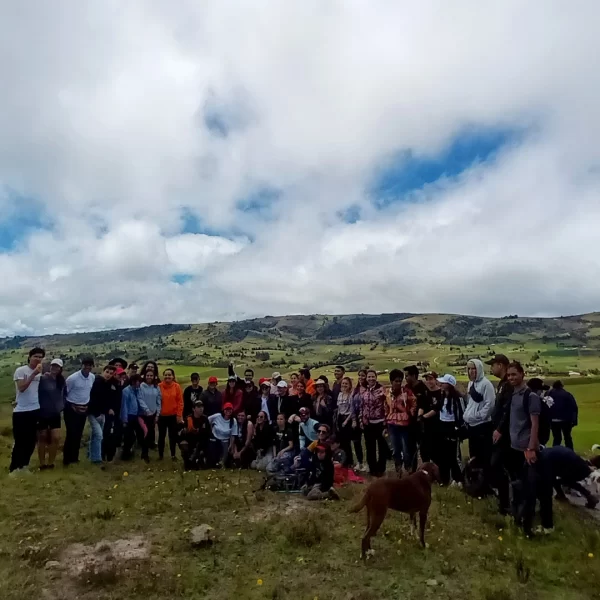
{"x": 395, "y": 328}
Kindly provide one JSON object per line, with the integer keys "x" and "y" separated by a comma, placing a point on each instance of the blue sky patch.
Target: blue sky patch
{"x": 259, "y": 202}
{"x": 181, "y": 278}
{"x": 20, "y": 217}
{"x": 405, "y": 172}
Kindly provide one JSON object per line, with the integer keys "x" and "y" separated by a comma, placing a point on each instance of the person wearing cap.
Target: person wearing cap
{"x": 118, "y": 362}
{"x": 224, "y": 429}
{"x": 447, "y": 452}
{"x": 26, "y": 412}
{"x": 563, "y": 414}
{"x": 307, "y": 427}
{"x": 191, "y": 394}
{"x": 132, "y": 369}
{"x": 105, "y": 397}
{"x": 321, "y": 476}
{"x": 211, "y": 398}
{"x": 429, "y": 416}
{"x": 233, "y": 394}
{"x": 195, "y": 438}
{"x": 322, "y": 403}
{"x": 79, "y": 386}
{"x": 275, "y": 379}
{"x": 248, "y": 377}
{"x": 282, "y": 402}
{"x": 266, "y": 400}
{"x": 51, "y": 395}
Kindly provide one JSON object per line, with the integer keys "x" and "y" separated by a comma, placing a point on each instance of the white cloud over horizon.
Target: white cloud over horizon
{"x": 104, "y": 136}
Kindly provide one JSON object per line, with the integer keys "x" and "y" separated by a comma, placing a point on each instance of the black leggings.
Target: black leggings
{"x": 167, "y": 423}
{"x": 560, "y": 428}
{"x": 344, "y": 436}
{"x": 25, "y": 434}
{"x": 448, "y": 453}
{"x": 377, "y": 448}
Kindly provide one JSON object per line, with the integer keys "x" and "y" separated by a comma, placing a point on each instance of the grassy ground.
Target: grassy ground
{"x": 274, "y": 545}
{"x": 277, "y": 546}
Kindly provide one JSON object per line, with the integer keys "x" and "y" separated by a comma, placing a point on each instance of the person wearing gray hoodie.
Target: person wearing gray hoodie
{"x": 481, "y": 398}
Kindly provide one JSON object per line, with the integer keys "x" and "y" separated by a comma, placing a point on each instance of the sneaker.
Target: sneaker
{"x": 544, "y": 530}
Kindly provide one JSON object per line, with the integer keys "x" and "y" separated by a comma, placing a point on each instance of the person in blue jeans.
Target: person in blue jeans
{"x": 104, "y": 400}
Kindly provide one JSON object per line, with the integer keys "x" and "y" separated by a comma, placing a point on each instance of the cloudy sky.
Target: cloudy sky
{"x": 193, "y": 161}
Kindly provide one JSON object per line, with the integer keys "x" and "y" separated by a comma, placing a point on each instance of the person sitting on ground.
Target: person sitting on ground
{"x": 224, "y": 428}
{"x": 283, "y": 447}
{"x": 211, "y": 398}
{"x": 195, "y": 439}
{"x": 320, "y": 479}
{"x": 307, "y": 427}
{"x": 132, "y": 407}
{"x": 51, "y": 395}
{"x": 233, "y": 395}
{"x": 322, "y": 403}
{"x": 306, "y": 456}
{"x": 337, "y": 453}
{"x": 263, "y": 442}
{"x": 243, "y": 452}
{"x": 191, "y": 395}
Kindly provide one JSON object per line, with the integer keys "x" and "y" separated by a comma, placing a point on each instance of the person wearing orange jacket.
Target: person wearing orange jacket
{"x": 171, "y": 413}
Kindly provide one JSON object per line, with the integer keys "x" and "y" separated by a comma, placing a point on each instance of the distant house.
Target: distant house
{"x": 574, "y": 374}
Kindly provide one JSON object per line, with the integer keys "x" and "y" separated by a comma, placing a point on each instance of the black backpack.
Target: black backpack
{"x": 545, "y": 420}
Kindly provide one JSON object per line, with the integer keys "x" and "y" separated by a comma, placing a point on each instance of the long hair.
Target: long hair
{"x": 145, "y": 368}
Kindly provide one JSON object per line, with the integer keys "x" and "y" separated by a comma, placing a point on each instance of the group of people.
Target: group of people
{"x": 308, "y": 424}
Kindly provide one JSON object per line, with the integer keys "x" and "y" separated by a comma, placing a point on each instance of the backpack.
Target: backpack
{"x": 545, "y": 420}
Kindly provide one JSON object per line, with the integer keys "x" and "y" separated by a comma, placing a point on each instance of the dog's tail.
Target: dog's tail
{"x": 361, "y": 504}
{"x": 595, "y": 447}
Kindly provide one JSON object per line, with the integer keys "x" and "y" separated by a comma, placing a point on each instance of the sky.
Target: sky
{"x": 198, "y": 161}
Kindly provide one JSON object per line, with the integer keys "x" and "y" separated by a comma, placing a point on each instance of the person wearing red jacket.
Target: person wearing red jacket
{"x": 234, "y": 395}
{"x": 171, "y": 413}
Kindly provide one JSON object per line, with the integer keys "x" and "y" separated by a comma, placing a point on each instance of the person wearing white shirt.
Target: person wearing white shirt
{"x": 27, "y": 410}
{"x": 79, "y": 386}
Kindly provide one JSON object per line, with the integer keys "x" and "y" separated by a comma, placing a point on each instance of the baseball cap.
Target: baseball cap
{"x": 198, "y": 403}
{"x": 447, "y": 378}
{"x": 133, "y": 366}
{"x": 195, "y": 376}
{"x": 264, "y": 381}
{"x": 213, "y": 379}
{"x": 282, "y": 384}
{"x": 321, "y": 448}
{"x": 119, "y": 371}
{"x": 227, "y": 405}
{"x": 319, "y": 382}
{"x": 232, "y": 378}
{"x": 499, "y": 358}
{"x": 276, "y": 375}
{"x": 57, "y": 361}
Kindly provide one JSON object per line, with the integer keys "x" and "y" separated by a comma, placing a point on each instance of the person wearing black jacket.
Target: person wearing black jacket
{"x": 241, "y": 383}
{"x": 321, "y": 475}
{"x": 563, "y": 412}
{"x": 251, "y": 400}
{"x": 104, "y": 400}
{"x": 191, "y": 395}
{"x": 501, "y": 436}
{"x": 282, "y": 403}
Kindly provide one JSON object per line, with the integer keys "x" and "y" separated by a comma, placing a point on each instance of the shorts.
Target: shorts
{"x": 49, "y": 423}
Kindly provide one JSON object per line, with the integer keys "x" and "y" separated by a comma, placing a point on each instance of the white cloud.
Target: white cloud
{"x": 101, "y": 119}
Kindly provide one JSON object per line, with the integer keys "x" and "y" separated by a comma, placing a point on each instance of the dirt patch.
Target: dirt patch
{"x": 290, "y": 506}
{"x": 103, "y": 557}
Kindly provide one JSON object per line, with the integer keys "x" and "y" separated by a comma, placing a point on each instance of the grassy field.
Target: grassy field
{"x": 278, "y": 546}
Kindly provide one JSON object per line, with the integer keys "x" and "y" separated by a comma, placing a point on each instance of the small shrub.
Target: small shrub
{"x": 105, "y": 515}
{"x": 306, "y": 532}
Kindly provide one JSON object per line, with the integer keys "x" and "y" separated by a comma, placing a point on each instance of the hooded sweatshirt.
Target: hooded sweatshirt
{"x": 171, "y": 399}
{"x": 481, "y": 398}
{"x": 151, "y": 397}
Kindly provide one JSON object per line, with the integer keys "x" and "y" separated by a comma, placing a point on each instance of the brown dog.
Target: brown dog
{"x": 410, "y": 495}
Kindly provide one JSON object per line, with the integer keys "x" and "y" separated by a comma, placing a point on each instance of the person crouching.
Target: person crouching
{"x": 195, "y": 439}
{"x": 320, "y": 480}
